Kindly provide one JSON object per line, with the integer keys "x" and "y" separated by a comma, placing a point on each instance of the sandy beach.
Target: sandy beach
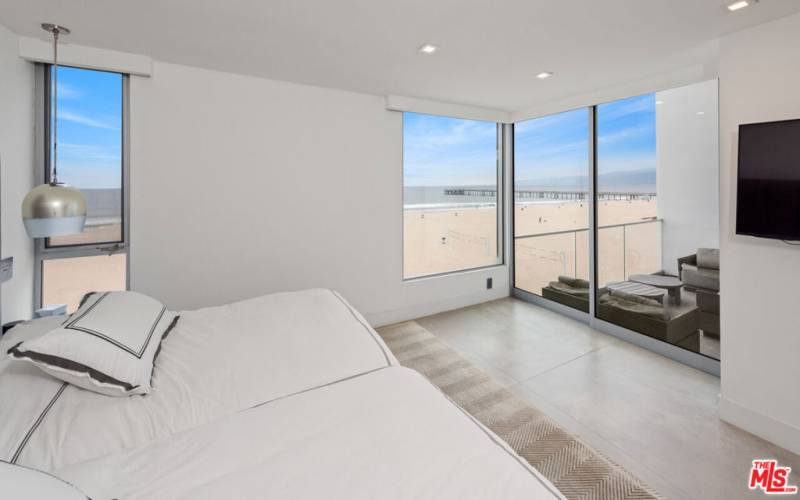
{"x": 92, "y": 233}
{"x": 65, "y": 281}
{"x": 442, "y": 240}
{"x": 445, "y": 240}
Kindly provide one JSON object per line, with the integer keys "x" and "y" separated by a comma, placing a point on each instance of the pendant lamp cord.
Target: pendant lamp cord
{"x": 54, "y": 179}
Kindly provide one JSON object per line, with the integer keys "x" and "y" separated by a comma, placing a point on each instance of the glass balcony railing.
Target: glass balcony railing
{"x": 623, "y": 250}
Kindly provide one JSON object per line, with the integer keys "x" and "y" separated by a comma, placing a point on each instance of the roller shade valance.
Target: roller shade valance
{"x": 81, "y": 56}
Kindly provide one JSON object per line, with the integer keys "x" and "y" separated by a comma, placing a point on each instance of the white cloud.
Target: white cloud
{"x": 433, "y": 134}
{"x": 547, "y": 122}
{"x": 67, "y": 91}
{"x": 614, "y": 110}
{"x": 625, "y": 134}
{"x": 88, "y": 152}
{"x": 627, "y": 163}
{"x": 78, "y": 118}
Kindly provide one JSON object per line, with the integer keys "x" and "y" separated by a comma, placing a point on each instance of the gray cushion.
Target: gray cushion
{"x": 574, "y": 282}
{"x": 654, "y": 311}
{"x": 700, "y": 278}
{"x": 562, "y": 287}
{"x": 635, "y": 298}
{"x": 708, "y": 258}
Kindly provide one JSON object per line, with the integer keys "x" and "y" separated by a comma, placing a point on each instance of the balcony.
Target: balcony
{"x": 623, "y": 250}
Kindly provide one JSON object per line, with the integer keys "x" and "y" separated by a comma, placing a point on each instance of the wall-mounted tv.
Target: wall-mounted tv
{"x": 768, "y": 198}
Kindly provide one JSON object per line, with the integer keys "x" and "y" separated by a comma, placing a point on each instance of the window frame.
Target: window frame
{"x": 42, "y": 249}
{"x": 501, "y": 166}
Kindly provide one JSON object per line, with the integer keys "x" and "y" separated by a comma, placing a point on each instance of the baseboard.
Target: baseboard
{"x": 780, "y": 433}
{"x": 421, "y": 310}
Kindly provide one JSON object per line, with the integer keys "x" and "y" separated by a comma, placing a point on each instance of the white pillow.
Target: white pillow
{"x": 24, "y": 483}
{"x": 108, "y": 345}
{"x": 28, "y": 330}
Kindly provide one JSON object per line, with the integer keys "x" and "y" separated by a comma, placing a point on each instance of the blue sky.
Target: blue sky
{"x": 626, "y": 131}
{"x": 89, "y": 121}
{"x": 436, "y": 150}
{"x": 444, "y": 151}
{"x": 439, "y": 151}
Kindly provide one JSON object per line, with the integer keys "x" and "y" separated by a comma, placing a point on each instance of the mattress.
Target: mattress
{"x": 387, "y": 434}
{"x": 216, "y": 361}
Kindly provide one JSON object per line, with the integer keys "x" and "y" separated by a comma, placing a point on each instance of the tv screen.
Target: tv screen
{"x": 768, "y": 198}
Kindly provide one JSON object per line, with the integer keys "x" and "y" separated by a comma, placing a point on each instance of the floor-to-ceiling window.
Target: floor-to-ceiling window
{"x": 628, "y": 226}
{"x": 656, "y": 217}
{"x": 551, "y": 207}
{"x": 657, "y": 211}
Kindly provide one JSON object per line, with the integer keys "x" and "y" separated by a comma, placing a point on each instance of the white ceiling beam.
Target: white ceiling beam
{"x": 429, "y": 107}
{"x": 81, "y": 56}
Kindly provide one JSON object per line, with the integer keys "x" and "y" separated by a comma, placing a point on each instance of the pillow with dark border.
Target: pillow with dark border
{"x": 108, "y": 345}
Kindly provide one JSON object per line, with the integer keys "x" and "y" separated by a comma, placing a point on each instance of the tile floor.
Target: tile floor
{"x": 656, "y": 417}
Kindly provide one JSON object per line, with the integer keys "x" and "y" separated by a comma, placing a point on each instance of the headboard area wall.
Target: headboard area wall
{"x": 242, "y": 186}
{"x": 16, "y": 175}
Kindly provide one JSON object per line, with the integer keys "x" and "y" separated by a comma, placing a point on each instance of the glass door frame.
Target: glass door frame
{"x": 685, "y": 356}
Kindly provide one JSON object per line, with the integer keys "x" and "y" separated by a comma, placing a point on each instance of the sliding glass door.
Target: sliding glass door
{"x": 655, "y": 233}
{"x": 551, "y": 209}
{"x": 657, "y": 210}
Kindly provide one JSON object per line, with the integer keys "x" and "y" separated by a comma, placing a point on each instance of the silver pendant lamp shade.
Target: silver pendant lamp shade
{"x": 54, "y": 209}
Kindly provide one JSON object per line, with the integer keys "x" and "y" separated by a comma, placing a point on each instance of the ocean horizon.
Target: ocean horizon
{"x": 103, "y": 206}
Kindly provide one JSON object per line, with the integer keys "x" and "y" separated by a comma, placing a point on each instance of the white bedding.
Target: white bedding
{"x": 216, "y": 361}
{"x": 388, "y": 434}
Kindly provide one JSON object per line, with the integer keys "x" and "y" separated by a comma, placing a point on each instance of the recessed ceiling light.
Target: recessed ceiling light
{"x": 428, "y": 49}
{"x": 659, "y": 101}
{"x": 701, "y": 113}
{"x": 737, "y": 5}
{"x": 544, "y": 75}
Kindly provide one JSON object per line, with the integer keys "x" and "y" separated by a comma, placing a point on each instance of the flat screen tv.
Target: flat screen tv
{"x": 768, "y": 197}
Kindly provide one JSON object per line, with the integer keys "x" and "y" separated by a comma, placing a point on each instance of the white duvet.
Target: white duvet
{"x": 215, "y": 362}
{"x": 388, "y": 434}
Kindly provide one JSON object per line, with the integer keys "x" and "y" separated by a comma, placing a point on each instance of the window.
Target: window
{"x": 91, "y": 145}
{"x": 628, "y": 236}
{"x": 451, "y": 171}
{"x": 624, "y": 197}
{"x": 657, "y": 206}
{"x": 551, "y": 204}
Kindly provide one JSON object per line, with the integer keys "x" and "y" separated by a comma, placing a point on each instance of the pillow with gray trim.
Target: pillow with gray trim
{"x": 108, "y": 345}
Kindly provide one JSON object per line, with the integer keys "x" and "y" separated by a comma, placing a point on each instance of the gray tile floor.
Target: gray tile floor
{"x": 654, "y": 416}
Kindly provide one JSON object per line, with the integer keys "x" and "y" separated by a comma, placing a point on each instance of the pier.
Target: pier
{"x": 536, "y": 194}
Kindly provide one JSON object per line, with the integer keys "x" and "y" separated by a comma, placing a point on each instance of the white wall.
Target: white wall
{"x": 759, "y": 81}
{"x": 687, "y": 170}
{"x": 16, "y": 168}
{"x": 243, "y": 186}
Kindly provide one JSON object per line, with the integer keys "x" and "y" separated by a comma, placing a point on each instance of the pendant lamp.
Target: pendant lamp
{"x": 54, "y": 209}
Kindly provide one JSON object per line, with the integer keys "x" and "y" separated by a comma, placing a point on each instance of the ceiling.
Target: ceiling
{"x": 489, "y": 51}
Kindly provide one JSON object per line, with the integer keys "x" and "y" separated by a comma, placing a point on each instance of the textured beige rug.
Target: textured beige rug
{"x": 580, "y": 472}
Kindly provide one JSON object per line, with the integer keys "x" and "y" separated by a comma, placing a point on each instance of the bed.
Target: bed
{"x": 289, "y": 395}
{"x": 217, "y": 361}
{"x": 388, "y": 434}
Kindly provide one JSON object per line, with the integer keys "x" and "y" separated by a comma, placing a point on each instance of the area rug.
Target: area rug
{"x": 578, "y": 471}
